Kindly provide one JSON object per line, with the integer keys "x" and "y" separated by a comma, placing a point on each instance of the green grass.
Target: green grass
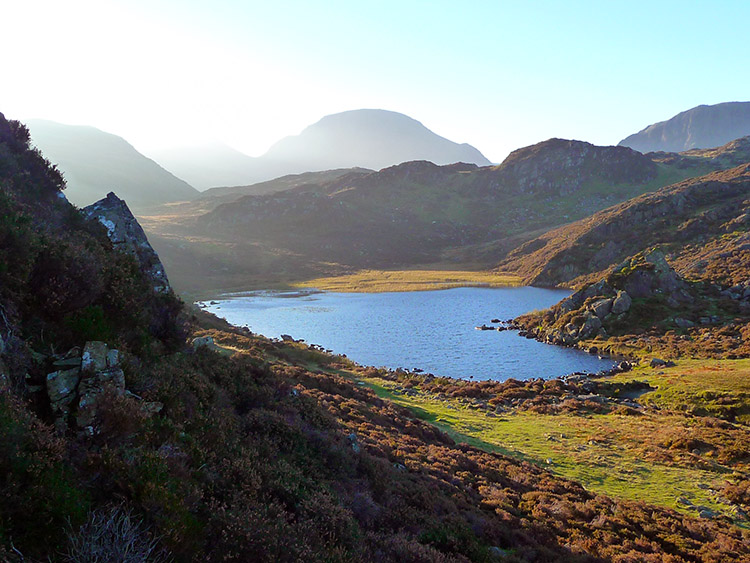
{"x": 703, "y": 387}
{"x": 606, "y": 453}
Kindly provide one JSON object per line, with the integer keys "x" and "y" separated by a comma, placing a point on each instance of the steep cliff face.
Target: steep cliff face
{"x": 127, "y": 236}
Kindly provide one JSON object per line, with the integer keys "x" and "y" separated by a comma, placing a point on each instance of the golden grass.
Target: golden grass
{"x": 378, "y": 281}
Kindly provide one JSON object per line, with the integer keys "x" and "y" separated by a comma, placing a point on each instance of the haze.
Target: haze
{"x": 498, "y": 75}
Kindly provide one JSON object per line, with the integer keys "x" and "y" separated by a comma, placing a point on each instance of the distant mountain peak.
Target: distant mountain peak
{"x": 366, "y": 138}
{"x": 702, "y": 127}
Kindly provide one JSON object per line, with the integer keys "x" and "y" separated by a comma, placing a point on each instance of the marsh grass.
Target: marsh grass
{"x": 377, "y": 281}
{"x": 613, "y": 454}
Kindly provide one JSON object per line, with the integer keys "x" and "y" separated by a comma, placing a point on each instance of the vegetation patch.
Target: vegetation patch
{"x": 377, "y": 281}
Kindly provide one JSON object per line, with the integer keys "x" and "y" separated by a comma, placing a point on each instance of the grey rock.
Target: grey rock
{"x": 68, "y": 362}
{"x": 128, "y": 236}
{"x": 61, "y": 388}
{"x": 204, "y": 342}
{"x": 594, "y": 398}
{"x": 602, "y": 308}
{"x": 683, "y": 323}
{"x": 353, "y": 441}
{"x": 590, "y": 327}
{"x": 94, "y": 356}
{"x": 622, "y": 303}
{"x": 91, "y": 390}
{"x": 113, "y": 358}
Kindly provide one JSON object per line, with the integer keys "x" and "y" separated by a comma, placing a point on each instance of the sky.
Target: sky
{"x": 496, "y": 74}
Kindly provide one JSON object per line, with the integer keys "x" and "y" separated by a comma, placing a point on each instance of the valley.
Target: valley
{"x": 646, "y": 459}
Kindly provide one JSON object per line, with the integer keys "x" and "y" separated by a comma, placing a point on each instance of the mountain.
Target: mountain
{"x": 210, "y": 165}
{"x": 122, "y": 440}
{"x": 283, "y": 183}
{"x": 698, "y": 128}
{"x": 95, "y": 163}
{"x": 412, "y": 213}
{"x": 702, "y": 223}
{"x": 368, "y": 138}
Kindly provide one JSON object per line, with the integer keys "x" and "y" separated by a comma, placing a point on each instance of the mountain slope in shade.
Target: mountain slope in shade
{"x": 367, "y": 138}
{"x": 95, "y": 163}
{"x": 701, "y": 127}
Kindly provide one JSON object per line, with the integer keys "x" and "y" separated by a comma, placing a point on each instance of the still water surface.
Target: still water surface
{"x": 430, "y": 330}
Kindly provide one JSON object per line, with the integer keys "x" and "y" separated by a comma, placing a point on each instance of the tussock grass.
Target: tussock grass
{"x": 613, "y": 454}
{"x": 377, "y": 281}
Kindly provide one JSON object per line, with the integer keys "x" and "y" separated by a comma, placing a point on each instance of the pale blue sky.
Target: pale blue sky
{"x": 498, "y": 75}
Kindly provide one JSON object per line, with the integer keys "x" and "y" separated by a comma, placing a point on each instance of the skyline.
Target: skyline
{"x": 495, "y": 75}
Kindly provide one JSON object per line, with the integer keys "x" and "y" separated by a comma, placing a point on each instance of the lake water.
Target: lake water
{"x": 430, "y": 330}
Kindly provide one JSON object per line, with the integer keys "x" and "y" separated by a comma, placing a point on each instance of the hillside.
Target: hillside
{"x": 121, "y": 438}
{"x": 95, "y": 163}
{"x": 459, "y": 213}
{"x": 217, "y": 196}
{"x": 367, "y": 138}
{"x": 698, "y": 222}
{"x": 697, "y": 128}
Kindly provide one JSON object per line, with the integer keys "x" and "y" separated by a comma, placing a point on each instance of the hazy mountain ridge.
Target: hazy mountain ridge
{"x": 367, "y": 138}
{"x": 95, "y": 162}
{"x": 700, "y": 127}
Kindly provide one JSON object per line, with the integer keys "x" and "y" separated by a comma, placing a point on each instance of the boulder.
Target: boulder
{"x": 602, "y": 307}
{"x": 203, "y": 342}
{"x": 621, "y": 303}
{"x": 590, "y": 327}
{"x": 659, "y": 363}
{"x": 113, "y": 358}
{"x": 91, "y": 389}
{"x": 61, "y": 388}
{"x": 128, "y": 236}
{"x": 94, "y": 356}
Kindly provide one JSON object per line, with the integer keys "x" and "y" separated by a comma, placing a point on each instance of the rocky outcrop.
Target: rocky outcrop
{"x": 84, "y": 378}
{"x": 127, "y": 235}
{"x": 710, "y": 212}
{"x": 592, "y": 311}
{"x": 561, "y": 166}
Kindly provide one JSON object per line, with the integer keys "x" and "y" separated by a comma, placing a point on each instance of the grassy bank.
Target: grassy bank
{"x": 662, "y": 456}
{"x": 376, "y": 281}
